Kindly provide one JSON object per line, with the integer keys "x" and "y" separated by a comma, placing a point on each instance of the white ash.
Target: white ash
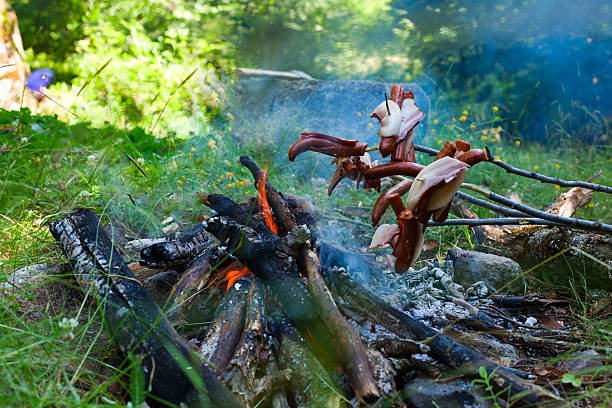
{"x": 139, "y": 244}
{"x": 426, "y": 294}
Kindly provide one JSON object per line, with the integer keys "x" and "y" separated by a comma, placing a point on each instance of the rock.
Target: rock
{"x": 273, "y": 112}
{"x": 496, "y": 271}
{"x": 22, "y": 277}
{"x": 424, "y": 393}
{"x": 583, "y": 360}
{"x": 493, "y": 349}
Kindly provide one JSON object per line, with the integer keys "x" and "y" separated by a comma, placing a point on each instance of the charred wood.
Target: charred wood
{"x": 194, "y": 277}
{"x": 222, "y": 336}
{"x": 176, "y": 249}
{"x": 441, "y": 347}
{"x": 277, "y": 201}
{"x": 132, "y": 317}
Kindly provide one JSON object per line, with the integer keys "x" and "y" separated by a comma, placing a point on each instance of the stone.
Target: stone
{"x": 499, "y": 273}
{"x": 424, "y": 393}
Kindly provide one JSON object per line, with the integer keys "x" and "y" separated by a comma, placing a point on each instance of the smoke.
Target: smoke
{"x": 546, "y": 63}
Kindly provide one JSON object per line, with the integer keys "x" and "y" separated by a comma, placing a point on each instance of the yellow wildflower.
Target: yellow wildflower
{"x": 483, "y": 137}
{"x": 463, "y": 118}
{"x": 37, "y": 159}
{"x": 211, "y": 144}
{"x": 229, "y": 174}
{"x": 214, "y": 96}
{"x": 472, "y": 126}
{"x": 241, "y": 183}
{"x": 433, "y": 130}
{"x": 465, "y": 113}
{"x": 497, "y": 157}
{"x": 439, "y": 142}
{"x": 518, "y": 142}
{"x": 485, "y": 131}
{"x": 179, "y": 181}
{"x": 435, "y": 122}
{"x": 499, "y": 149}
{"x": 557, "y": 166}
{"x": 193, "y": 149}
{"x": 591, "y": 205}
{"x": 499, "y": 129}
{"x": 174, "y": 165}
{"x": 557, "y": 187}
{"x": 536, "y": 167}
{"x": 495, "y": 108}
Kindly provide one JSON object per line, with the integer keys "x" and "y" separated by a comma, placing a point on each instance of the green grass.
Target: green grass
{"x": 50, "y": 167}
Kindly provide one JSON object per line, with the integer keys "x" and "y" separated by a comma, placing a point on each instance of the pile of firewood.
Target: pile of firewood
{"x": 284, "y": 326}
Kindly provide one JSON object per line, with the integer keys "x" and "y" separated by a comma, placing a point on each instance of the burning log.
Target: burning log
{"x": 133, "y": 319}
{"x": 195, "y": 275}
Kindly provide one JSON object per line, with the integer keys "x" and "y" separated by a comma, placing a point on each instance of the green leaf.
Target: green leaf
{"x": 482, "y": 371}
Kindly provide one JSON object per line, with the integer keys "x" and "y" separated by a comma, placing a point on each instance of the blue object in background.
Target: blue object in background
{"x": 39, "y": 78}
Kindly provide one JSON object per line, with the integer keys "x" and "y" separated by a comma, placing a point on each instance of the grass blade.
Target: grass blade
{"x": 170, "y": 97}
{"x": 91, "y": 78}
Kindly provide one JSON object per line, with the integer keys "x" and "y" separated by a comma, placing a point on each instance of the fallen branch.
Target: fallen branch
{"x": 494, "y": 221}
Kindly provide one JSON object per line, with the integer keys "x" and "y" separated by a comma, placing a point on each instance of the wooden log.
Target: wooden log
{"x": 269, "y": 260}
{"x": 531, "y": 245}
{"x": 353, "y": 356}
{"x": 222, "y": 336}
{"x": 133, "y": 318}
{"x": 176, "y": 249}
{"x": 310, "y": 384}
{"x": 193, "y": 278}
{"x": 277, "y": 201}
{"x": 441, "y": 347}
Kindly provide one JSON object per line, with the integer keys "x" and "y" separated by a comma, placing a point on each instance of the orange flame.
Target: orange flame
{"x": 232, "y": 276}
{"x": 264, "y": 207}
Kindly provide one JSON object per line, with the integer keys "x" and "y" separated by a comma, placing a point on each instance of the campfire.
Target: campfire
{"x": 289, "y": 323}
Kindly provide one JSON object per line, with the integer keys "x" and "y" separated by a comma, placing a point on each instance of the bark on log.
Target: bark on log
{"x": 441, "y": 347}
{"x": 133, "y": 318}
{"x": 221, "y": 338}
{"x": 310, "y": 383}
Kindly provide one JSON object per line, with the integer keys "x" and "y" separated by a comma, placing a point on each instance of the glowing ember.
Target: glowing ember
{"x": 232, "y": 276}
{"x": 264, "y": 207}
